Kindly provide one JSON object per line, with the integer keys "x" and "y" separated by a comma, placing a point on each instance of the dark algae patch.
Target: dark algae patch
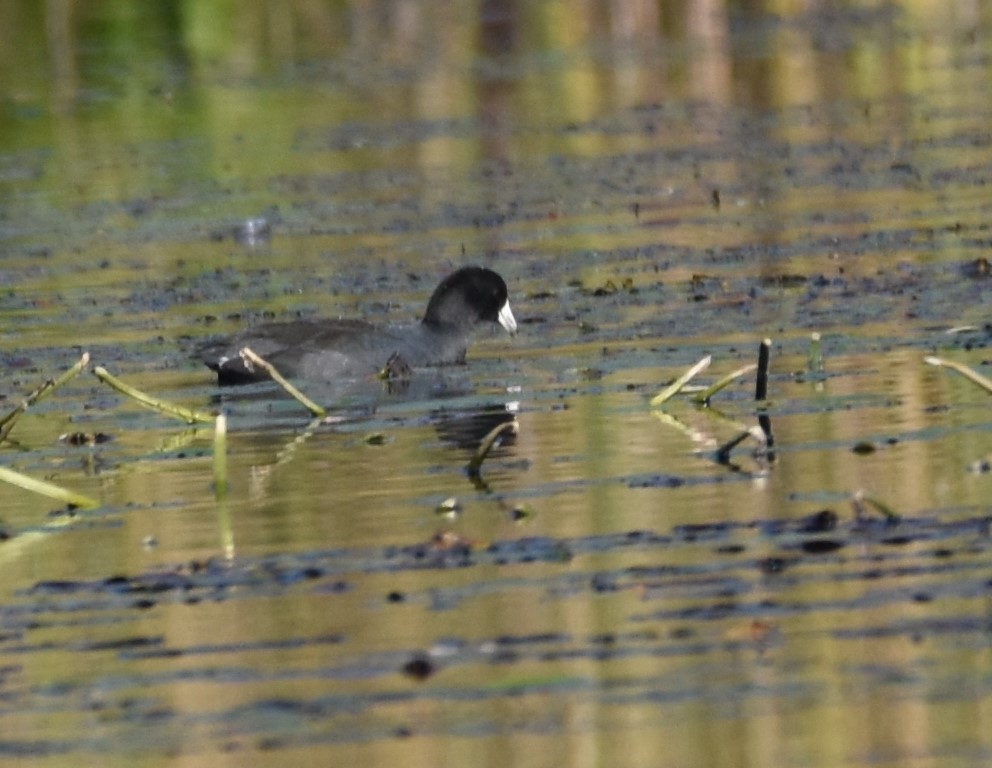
{"x": 728, "y": 548}
{"x": 706, "y": 594}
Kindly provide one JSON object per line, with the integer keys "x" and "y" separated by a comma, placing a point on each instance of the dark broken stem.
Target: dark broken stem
{"x": 475, "y": 465}
{"x": 765, "y": 422}
{"x": 8, "y": 421}
{"x": 761, "y": 383}
{"x": 277, "y": 377}
{"x": 761, "y": 392}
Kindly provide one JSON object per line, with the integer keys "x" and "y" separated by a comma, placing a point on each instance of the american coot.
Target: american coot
{"x": 327, "y": 350}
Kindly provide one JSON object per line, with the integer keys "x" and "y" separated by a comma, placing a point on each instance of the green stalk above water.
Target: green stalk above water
{"x": 8, "y": 421}
{"x": 149, "y": 401}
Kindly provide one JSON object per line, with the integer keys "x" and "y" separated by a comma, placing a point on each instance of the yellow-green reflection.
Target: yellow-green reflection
{"x": 576, "y": 142}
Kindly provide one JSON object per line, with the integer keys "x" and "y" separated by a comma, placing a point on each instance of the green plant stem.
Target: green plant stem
{"x": 45, "y": 488}
{"x": 676, "y": 386}
{"x": 155, "y": 403}
{"x": 8, "y": 421}
{"x": 277, "y": 377}
{"x": 972, "y": 375}
{"x": 220, "y": 456}
{"x": 703, "y": 398}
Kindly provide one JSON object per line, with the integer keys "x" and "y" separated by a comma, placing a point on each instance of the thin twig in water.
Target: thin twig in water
{"x": 156, "y": 404}
{"x": 676, "y": 386}
{"x": 277, "y": 377}
{"x": 858, "y": 501}
{"x": 8, "y": 421}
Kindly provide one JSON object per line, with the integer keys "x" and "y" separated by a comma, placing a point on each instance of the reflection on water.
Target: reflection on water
{"x": 658, "y": 182}
{"x": 465, "y": 428}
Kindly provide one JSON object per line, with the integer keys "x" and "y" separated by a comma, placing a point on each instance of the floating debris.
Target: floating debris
{"x": 85, "y": 438}
{"x": 860, "y": 502}
{"x": 522, "y": 513}
{"x": 253, "y": 231}
{"x": 420, "y": 667}
{"x": 450, "y": 507}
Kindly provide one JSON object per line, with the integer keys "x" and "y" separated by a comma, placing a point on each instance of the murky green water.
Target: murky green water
{"x": 656, "y": 184}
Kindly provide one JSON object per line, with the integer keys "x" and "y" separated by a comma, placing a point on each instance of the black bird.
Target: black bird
{"x": 328, "y": 350}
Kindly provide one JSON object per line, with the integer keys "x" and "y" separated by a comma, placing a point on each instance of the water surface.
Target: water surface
{"x": 656, "y": 185}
